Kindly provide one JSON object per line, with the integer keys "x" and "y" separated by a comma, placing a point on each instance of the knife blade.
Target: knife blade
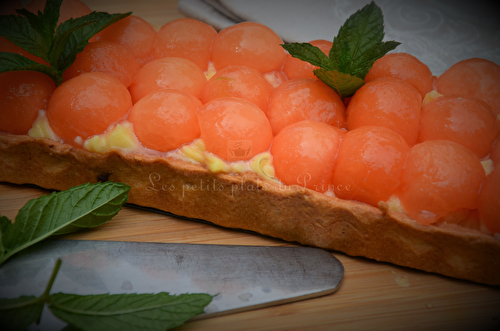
{"x": 243, "y": 277}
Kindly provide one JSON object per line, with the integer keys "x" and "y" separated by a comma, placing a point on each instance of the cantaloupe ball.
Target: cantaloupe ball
{"x": 87, "y": 105}
{"x": 478, "y": 78}
{"x": 166, "y": 119}
{"x": 248, "y": 44}
{"x": 439, "y": 177}
{"x": 22, "y": 95}
{"x": 388, "y": 102}
{"x": 304, "y": 154}
{"x": 234, "y": 128}
{"x": 168, "y": 73}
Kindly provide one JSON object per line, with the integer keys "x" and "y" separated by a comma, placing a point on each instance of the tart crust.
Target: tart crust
{"x": 246, "y": 201}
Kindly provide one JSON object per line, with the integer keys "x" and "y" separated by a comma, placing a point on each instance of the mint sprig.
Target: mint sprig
{"x": 356, "y": 47}
{"x": 160, "y": 311}
{"x": 40, "y": 35}
{"x": 83, "y": 206}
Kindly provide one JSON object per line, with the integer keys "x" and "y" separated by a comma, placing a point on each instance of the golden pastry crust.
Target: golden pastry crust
{"x": 246, "y": 201}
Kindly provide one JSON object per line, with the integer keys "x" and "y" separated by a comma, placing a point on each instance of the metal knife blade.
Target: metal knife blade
{"x": 244, "y": 277}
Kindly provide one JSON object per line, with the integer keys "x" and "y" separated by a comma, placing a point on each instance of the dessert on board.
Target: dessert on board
{"x": 381, "y": 160}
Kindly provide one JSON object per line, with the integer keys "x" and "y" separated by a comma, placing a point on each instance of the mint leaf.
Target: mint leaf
{"x": 12, "y": 61}
{"x": 44, "y": 23}
{"x": 362, "y": 33}
{"x": 344, "y": 84}
{"x": 356, "y": 47}
{"x": 365, "y": 62}
{"x": 345, "y": 59}
{"x": 86, "y": 205}
{"x": 121, "y": 312}
{"x": 72, "y": 36}
{"x": 19, "y": 31}
{"x": 19, "y": 313}
{"x": 309, "y": 53}
{"x": 57, "y": 45}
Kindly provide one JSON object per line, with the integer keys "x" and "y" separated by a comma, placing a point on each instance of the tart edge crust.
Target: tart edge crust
{"x": 247, "y": 201}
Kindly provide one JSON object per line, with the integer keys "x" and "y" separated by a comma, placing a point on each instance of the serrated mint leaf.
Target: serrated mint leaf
{"x": 19, "y": 313}
{"x": 72, "y": 36}
{"x": 359, "y": 42}
{"x": 366, "y": 61}
{"x": 50, "y": 18}
{"x": 18, "y": 30}
{"x": 344, "y": 84}
{"x": 12, "y": 62}
{"x": 86, "y": 205}
{"x": 309, "y": 53}
{"x": 362, "y": 30}
{"x": 127, "y": 312}
{"x": 40, "y": 35}
{"x": 345, "y": 61}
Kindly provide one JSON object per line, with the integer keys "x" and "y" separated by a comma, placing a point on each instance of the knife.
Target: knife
{"x": 243, "y": 277}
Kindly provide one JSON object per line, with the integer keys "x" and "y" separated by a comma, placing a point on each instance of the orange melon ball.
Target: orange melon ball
{"x": 248, "y": 44}
{"x": 489, "y": 202}
{"x": 69, "y": 9}
{"x": 166, "y": 119}
{"x": 22, "y": 95}
{"x": 469, "y": 122}
{"x": 476, "y": 78}
{"x": 186, "y": 38}
{"x": 369, "y": 164}
{"x": 403, "y": 66}
{"x": 87, "y": 105}
{"x": 388, "y": 102}
{"x": 168, "y": 73}
{"x": 296, "y": 68}
{"x": 440, "y": 176}
{"x": 304, "y": 154}
{"x": 7, "y": 46}
{"x": 305, "y": 99}
{"x": 241, "y": 82}
{"x": 234, "y": 129}
{"x": 133, "y": 33}
{"x": 107, "y": 57}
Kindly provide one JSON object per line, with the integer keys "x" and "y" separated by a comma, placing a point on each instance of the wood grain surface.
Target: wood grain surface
{"x": 373, "y": 295}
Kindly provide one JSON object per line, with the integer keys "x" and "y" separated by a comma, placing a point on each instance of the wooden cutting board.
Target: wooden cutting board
{"x": 373, "y": 295}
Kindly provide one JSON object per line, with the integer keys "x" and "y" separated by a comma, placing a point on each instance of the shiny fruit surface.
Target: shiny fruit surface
{"x": 440, "y": 176}
{"x": 87, "y": 105}
{"x": 304, "y": 154}
{"x": 22, "y": 95}
{"x": 166, "y": 119}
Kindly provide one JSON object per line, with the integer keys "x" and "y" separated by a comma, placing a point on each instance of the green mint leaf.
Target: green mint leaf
{"x": 19, "y": 313}
{"x": 345, "y": 60}
{"x": 344, "y": 84}
{"x": 365, "y": 62}
{"x": 12, "y": 61}
{"x": 86, "y": 205}
{"x": 45, "y": 23}
{"x": 57, "y": 45}
{"x": 122, "y": 312}
{"x": 19, "y": 31}
{"x": 72, "y": 36}
{"x": 309, "y": 53}
{"x": 358, "y": 43}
